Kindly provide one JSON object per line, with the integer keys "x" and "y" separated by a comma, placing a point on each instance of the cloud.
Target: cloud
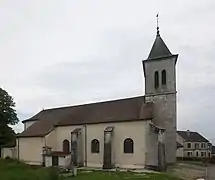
{"x": 72, "y": 52}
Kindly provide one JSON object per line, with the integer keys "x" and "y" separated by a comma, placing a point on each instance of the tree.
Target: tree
{"x": 8, "y": 117}
{"x": 7, "y": 112}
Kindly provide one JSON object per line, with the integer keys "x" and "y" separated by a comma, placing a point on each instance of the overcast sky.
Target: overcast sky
{"x": 57, "y": 53}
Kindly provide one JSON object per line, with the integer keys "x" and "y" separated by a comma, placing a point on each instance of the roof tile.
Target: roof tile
{"x": 102, "y": 112}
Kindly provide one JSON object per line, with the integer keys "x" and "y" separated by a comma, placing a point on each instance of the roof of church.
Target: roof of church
{"x": 121, "y": 110}
{"x": 192, "y": 136}
{"x": 159, "y": 48}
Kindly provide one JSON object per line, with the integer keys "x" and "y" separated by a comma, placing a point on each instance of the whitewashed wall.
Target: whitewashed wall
{"x": 9, "y": 152}
{"x": 48, "y": 161}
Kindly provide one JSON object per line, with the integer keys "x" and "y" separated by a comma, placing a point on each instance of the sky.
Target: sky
{"x": 59, "y": 53}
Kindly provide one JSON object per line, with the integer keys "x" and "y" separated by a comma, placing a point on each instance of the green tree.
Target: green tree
{"x": 8, "y": 117}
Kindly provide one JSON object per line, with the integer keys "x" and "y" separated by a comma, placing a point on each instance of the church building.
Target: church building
{"x": 132, "y": 133}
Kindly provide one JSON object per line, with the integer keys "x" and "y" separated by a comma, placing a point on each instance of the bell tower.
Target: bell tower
{"x": 160, "y": 88}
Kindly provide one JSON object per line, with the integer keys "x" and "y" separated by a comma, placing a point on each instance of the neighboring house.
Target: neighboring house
{"x": 194, "y": 145}
{"x": 8, "y": 150}
{"x": 125, "y": 133}
{"x": 213, "y": 151}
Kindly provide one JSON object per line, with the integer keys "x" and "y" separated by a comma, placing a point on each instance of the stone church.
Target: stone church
{"x": 136, "y": 132}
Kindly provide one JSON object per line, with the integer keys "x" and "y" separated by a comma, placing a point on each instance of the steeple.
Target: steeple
{"x": 159, "y": 48}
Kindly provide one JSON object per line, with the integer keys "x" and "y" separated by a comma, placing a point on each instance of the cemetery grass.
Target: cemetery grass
{"x": 14, "y": 170}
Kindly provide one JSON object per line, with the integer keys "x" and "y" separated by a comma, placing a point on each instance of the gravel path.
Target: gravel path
{"x": 211, "y": 173}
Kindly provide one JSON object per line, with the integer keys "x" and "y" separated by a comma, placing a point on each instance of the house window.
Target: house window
{"x": 202, "y": 154}
{"x": 156, "y": 80}
{"x": 128, "y": 146}
{"x": 94, "y": 146}
{"x": 189, "y": 154}
{"x": 203, "y": 145}
{"x": 209, "y": 154}
{"x": 196, "y": 145}
{"x": 163, "y": 78}
{"x": 188, "y": 145}
{"x": 197, "y": 154}
{"x": 66, "y": 146}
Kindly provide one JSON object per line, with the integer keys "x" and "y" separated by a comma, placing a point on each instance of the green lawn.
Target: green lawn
{"x": 12, "y": 170}
{"x": 121, "y": 176}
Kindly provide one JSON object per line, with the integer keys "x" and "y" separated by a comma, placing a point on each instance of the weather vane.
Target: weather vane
{"x": 157, "y": 25}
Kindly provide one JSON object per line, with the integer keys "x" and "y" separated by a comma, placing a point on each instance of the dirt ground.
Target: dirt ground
{"x": 187, "y": 171}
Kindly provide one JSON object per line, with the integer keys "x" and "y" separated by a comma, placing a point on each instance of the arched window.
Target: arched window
{"x": 163, "y": 77}
{"x": 94, "y": 146}
{"x": 66, "y": 146}
{"x": 128, "y": 146}
{"x": 156, "y": 80}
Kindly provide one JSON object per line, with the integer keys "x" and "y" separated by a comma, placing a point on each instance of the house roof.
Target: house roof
{"x": 58, "y": 154}
{"x": 190, "y": 136}
{"x": 179, "y": 145}
{"x": 121, "y": 110}
{"x": 159, "y": 48}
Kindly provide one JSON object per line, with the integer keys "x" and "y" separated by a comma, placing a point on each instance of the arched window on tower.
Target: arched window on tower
{"x": 128, "y": 146}
{"x": 163, "y": 79}
{"x": 156, "y": 79}
{"x": 94, "y": 146}
{"x": 66, "y": 146}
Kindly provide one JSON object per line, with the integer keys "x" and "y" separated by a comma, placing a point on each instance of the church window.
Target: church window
{"x": 95, "y": 146}
{"x": 156, "y": 79}
{"x": 66, "y": 146}
{"x": 163, "y": 77}
{"x": 128, "y": 146}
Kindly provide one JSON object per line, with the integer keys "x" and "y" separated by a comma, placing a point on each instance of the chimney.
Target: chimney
{"x": 188, "y": 133}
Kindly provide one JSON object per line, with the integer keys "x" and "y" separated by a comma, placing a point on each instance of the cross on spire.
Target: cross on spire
{"x": 158, "y": 32}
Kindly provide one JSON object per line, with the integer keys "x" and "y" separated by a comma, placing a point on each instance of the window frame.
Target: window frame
{"x": 196, "y": 145}
{"x": 163, "y": 77}
{"x": 156, "y": 79}
{"x": 189, "y": 145}
{"x": 203, "y": 145}
{"x": 66, "y": 146}
{"x": 128, "y": 146}
{"x": 189, "y": 154}
{"x": 95, "y": 146}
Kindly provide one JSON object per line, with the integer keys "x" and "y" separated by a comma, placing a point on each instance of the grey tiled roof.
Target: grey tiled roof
{"x": 159, "y": 49}
{"x": 121, "y": 110}
{"x": 192, "y": 136}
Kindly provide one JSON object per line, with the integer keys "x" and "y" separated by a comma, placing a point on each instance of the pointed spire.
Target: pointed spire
{"x": 158, "y": 32}
{"x": 159, "y": 48}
